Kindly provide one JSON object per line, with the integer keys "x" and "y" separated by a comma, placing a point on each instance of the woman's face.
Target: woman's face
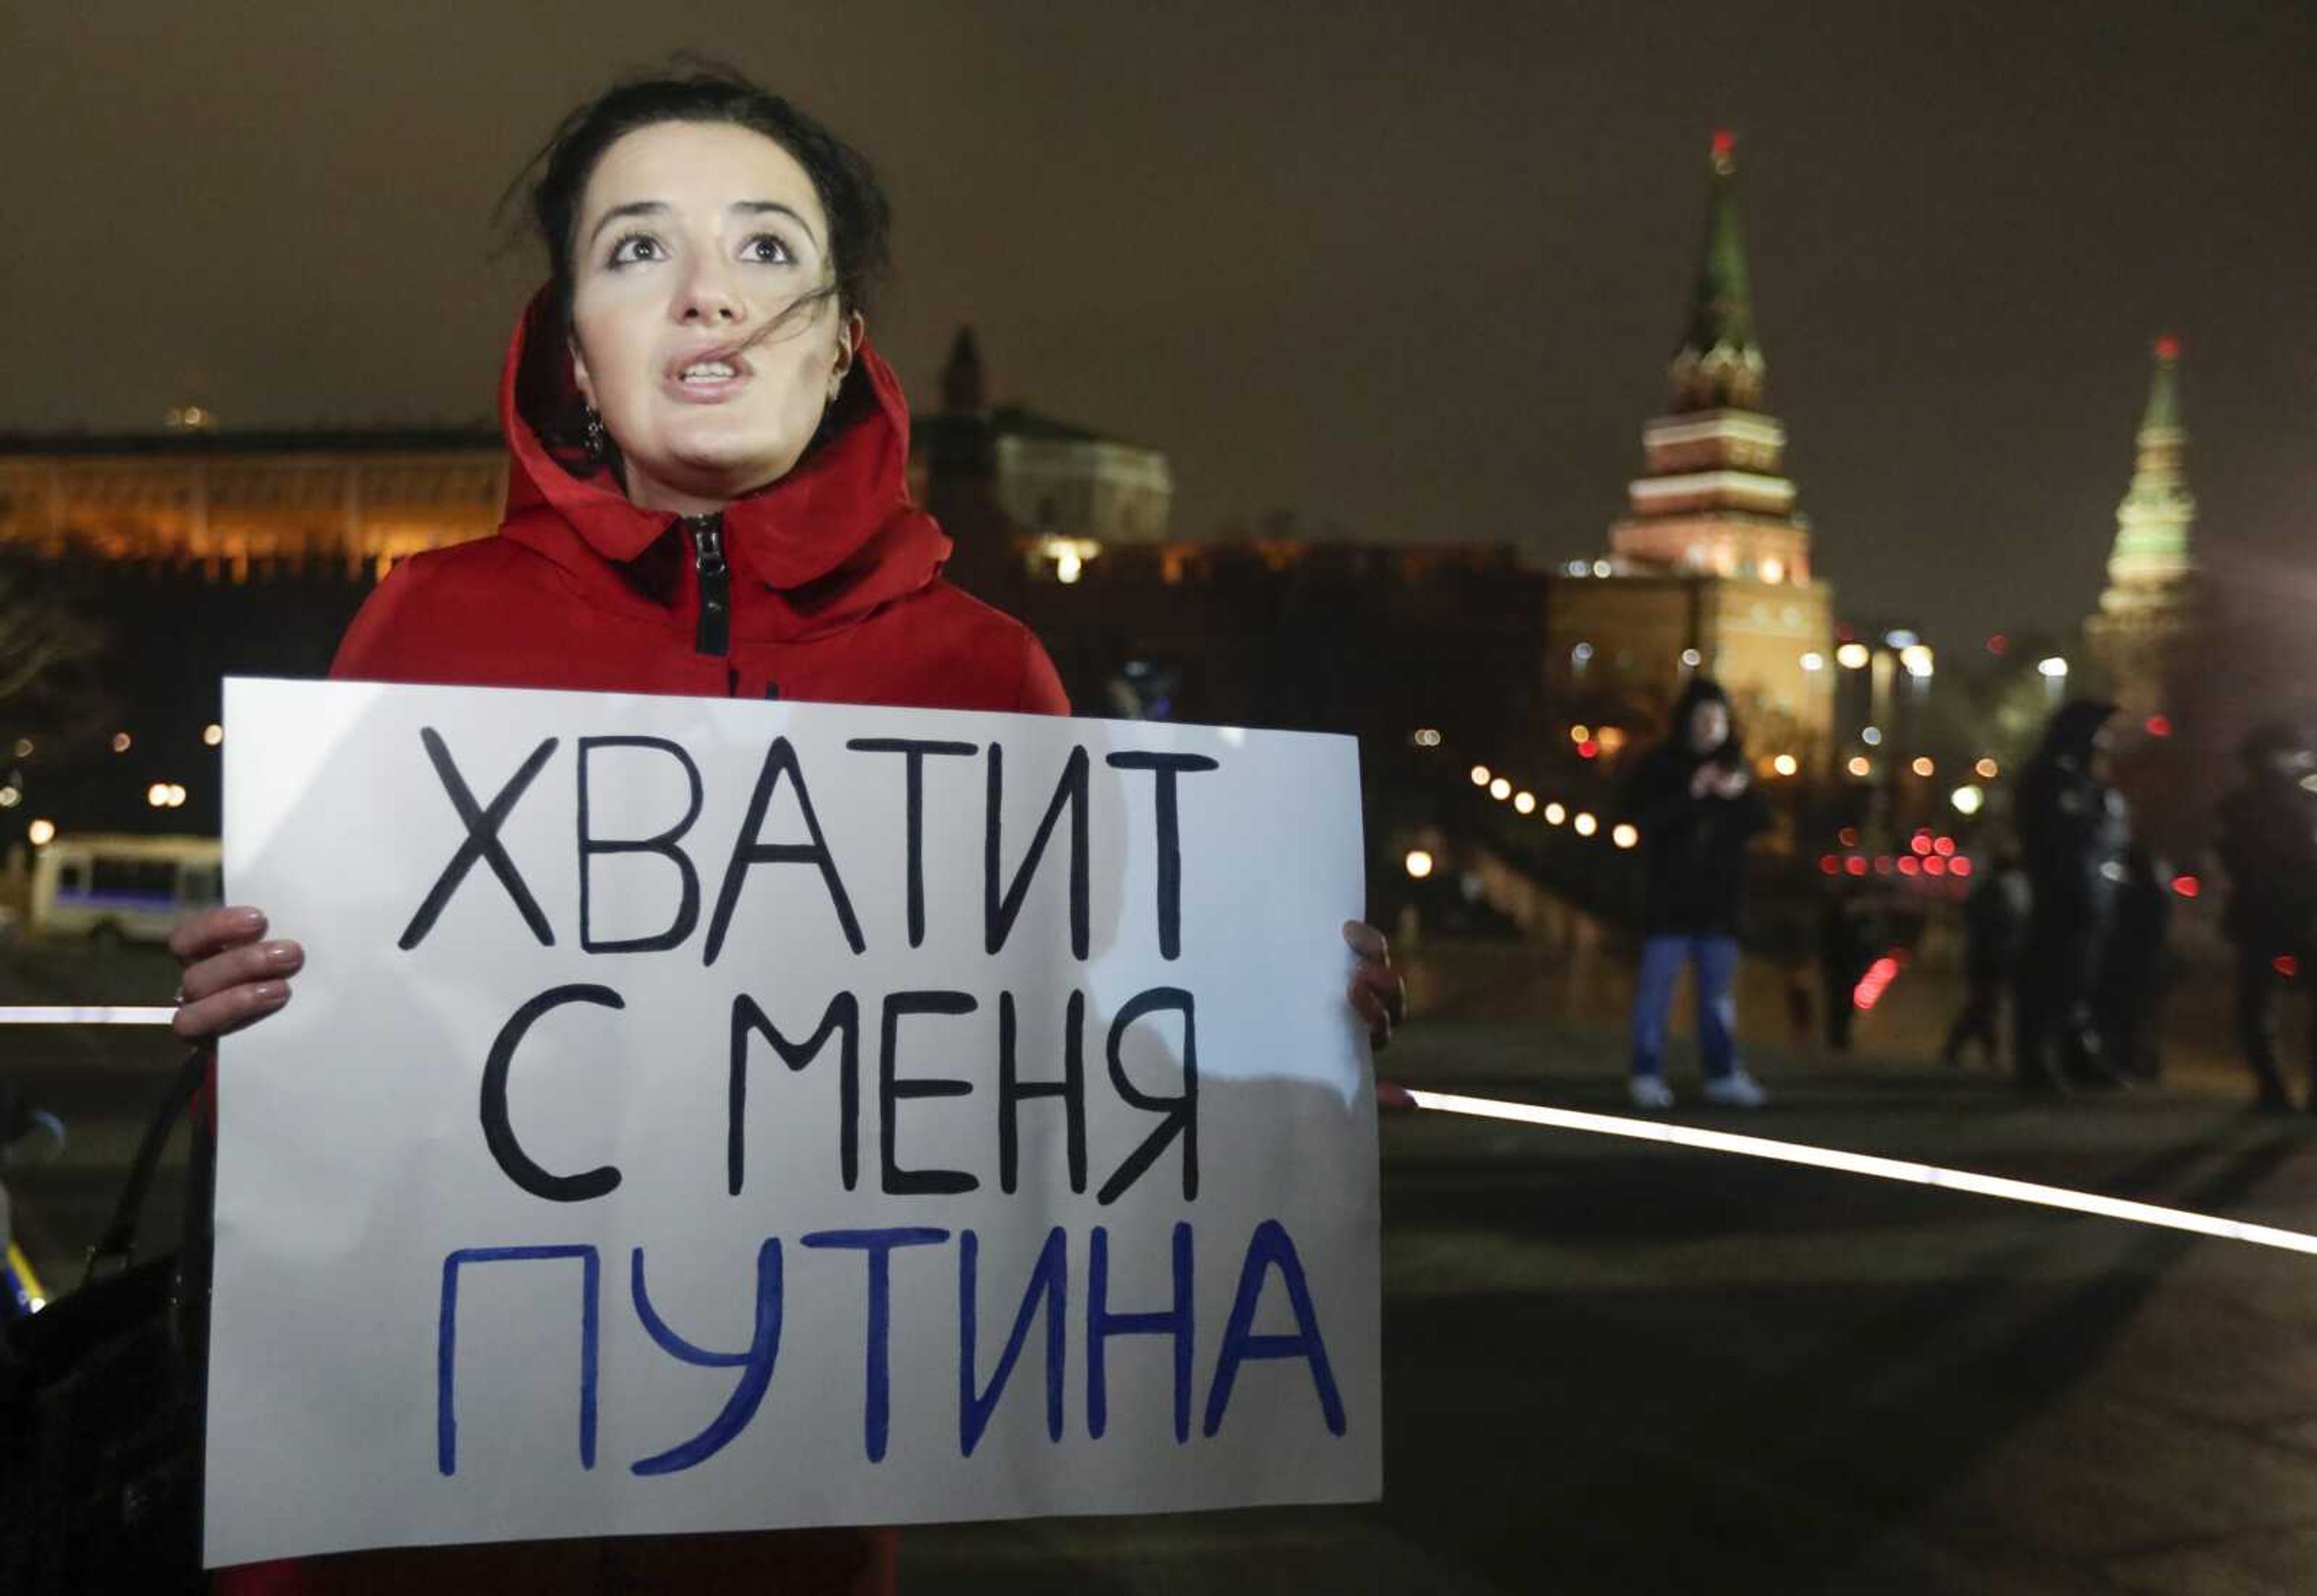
{"x": 692, "y": 239}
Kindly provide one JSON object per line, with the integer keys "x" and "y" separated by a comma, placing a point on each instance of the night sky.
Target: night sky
{"x": 1411, "y": 271}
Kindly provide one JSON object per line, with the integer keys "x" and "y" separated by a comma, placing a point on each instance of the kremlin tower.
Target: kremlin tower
{"x": 2150, "y": 639}
{"x": 2152, "y": 615}
{"x": 1710, "y": 569}
{"x": 1711, "y": 497}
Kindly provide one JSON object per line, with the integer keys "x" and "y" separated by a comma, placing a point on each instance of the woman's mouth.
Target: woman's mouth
{"x": 708, "y": 378}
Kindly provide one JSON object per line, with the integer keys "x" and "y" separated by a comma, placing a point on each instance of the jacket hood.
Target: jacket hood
{"x": 834, "y": 540}
{"x": 2074, "y": 724}
{"x": 1701, "y": 689}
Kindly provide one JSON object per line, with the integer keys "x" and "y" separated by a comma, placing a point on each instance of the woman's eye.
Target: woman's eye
{"x": 767, "y": 250}
{"x": 634, "y": 248}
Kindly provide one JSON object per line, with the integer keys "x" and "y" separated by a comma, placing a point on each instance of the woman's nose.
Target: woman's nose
{"x": 708, "y": 297}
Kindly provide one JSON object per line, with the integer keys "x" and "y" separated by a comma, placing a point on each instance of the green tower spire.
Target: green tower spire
{"x": 1720, "y": 364}
{"x": 2163, "y": 412}
{"x": 2156, "y": 520}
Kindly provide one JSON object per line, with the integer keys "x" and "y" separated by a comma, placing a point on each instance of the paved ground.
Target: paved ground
{"x": 1615, "y": 1367}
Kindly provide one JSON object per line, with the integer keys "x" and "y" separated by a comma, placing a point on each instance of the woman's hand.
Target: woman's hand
{"x": 232, "y": 976}
{"x": 1376, "y": 991}
{"x": 1381, "y": 998}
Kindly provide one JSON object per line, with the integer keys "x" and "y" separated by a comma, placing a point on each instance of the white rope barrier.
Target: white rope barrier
{"x": 1860, "y": 1164}
{"x": 86, "y": 1014}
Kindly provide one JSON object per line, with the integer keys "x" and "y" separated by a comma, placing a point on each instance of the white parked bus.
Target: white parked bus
{"x": 123, "y": 889}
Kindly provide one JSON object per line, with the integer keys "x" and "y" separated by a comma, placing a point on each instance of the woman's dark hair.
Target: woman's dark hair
{"x": 860, "y": 219}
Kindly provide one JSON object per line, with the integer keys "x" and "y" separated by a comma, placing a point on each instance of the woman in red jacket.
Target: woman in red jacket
{"x": 707, "y": 495}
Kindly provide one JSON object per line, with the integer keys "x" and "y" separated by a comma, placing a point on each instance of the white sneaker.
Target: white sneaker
{"x": 1737, "y": 1090}
{"x": 1649, "y": 1091}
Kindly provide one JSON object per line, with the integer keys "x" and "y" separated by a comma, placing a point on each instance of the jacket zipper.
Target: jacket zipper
{"x": 714, "y": 634}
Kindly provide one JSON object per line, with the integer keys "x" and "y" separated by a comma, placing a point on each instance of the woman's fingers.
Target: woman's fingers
{"x": 1386, "y": 984}
{"x": 213, "y": 932}
{"x": 231, "y": 978}
{"x": 237, "y": 966}
{"x": 1369, "y": 1005}
{"x": 1376, "y": 992}
{"x": 229, "y": 1010}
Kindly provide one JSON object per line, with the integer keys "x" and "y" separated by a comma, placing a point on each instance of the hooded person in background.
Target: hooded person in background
{"x": 1696, "y": 811}
{"x": 2073, "y": 830}
{"x": 2268, "y": 846}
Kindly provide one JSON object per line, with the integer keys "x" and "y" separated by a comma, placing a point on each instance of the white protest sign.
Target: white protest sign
{"x": 700, "y": 1114}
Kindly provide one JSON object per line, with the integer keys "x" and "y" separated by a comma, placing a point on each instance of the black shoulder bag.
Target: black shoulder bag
{"x": 101, "y": 1399}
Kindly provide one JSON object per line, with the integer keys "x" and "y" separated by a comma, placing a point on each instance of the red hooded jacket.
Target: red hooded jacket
{"x": 829, "y": 588}
{"x": 824, "y": 586}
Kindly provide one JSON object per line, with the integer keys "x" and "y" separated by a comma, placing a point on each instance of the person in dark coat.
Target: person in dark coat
{"x": 2073, "y": 829}
{"x": 2133, "y": 970}
{"x": 1994, "y": 928}
{"x": 1846, "y": 935}
{"x": 2269, "y": 847}
{"x": 1697, "y": 810}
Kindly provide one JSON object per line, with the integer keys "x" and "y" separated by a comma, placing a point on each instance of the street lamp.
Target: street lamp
{"x": 2054, "y": 672}
{"x": 1851, "y": 656}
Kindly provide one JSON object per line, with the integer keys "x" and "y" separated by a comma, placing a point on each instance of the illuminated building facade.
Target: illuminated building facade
{"x": 1044, "y": 491}
{"x": 226, "y": 507}
{"x": 1710, "y": 569}
{"x": 197, "y": 554}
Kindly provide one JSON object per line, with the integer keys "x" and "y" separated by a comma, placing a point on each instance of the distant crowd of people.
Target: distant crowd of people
{"x": 2069, "y": 930}
{"x": 2074, "y": 926}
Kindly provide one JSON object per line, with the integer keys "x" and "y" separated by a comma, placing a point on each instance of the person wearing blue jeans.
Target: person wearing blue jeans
{"x": 1714, "y": 962}
{"x": 1696, "y": 811}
